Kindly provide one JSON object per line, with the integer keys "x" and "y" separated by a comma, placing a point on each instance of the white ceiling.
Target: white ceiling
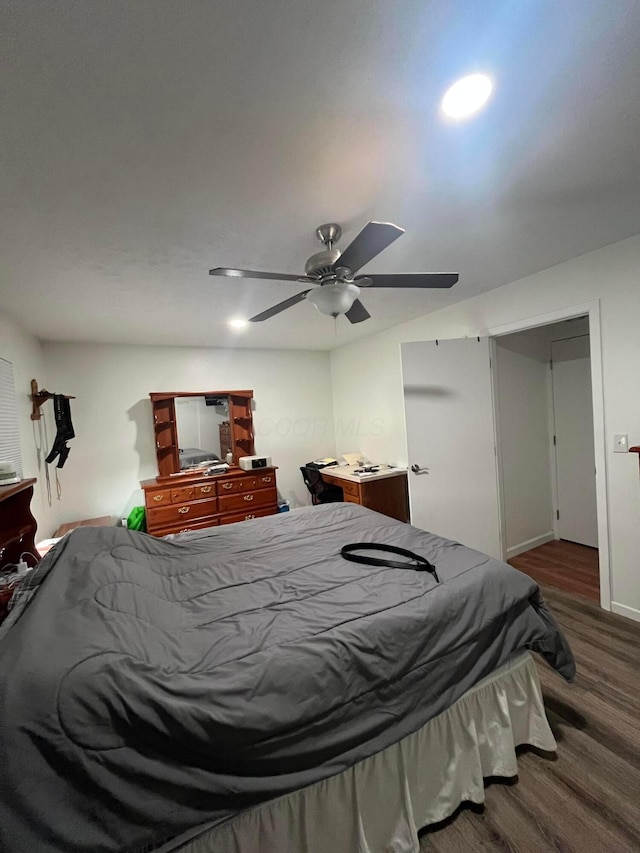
{"x": 144, "y": 142}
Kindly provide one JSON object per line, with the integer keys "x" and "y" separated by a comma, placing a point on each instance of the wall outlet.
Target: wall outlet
{"x": 620, "y": 443}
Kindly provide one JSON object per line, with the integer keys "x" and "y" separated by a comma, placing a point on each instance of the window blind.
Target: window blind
{"x": 9, "y": 430}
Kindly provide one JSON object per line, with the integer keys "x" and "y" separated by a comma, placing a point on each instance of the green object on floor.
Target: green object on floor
{"x": 136, "y": 519}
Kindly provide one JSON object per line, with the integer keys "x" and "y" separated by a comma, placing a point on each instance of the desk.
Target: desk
{"x": 384, "y": 492}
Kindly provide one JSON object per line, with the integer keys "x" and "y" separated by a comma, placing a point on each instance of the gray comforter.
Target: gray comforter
{"x": 149, "y": 686}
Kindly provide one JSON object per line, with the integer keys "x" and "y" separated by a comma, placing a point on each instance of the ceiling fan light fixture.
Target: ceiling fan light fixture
{"x": 238, "y": 323}
{"x": 334, "y": 299}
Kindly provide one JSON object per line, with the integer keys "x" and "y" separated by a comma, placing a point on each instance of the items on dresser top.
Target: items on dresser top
{"x": 8, "y": 474}
{"x": 206, "y": 500}
{"x": 251, "y": 463}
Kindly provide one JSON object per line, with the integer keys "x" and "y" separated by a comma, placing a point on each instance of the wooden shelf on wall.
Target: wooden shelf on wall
{"x": 40, "y": 397}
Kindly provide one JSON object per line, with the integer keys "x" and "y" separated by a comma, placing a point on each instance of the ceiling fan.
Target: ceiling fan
{"x": 335, "y": 273}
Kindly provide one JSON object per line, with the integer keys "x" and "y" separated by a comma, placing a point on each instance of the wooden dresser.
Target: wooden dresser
{"x": 195, "y": 502}
{"x": 17, "y": 524}
{"x": 17, "y": 532}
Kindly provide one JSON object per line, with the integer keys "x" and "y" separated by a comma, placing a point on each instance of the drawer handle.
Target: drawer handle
{"x": 158, "y": 497}
{"x": 205, "y": 489}
{"x": 227, "y": 485}
{"x": 248, "y": 497}
{"x": 183, "y": 509}
{"x": 249, "y": 517}
{"x": 266, "y": 479}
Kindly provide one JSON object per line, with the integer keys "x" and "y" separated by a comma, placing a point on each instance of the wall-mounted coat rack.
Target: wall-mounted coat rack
{"x": 40, "y": 397}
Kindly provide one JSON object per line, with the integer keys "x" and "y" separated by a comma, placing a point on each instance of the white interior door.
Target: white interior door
{"x": 448, "y": 401}
{"x": 575, "y": 454}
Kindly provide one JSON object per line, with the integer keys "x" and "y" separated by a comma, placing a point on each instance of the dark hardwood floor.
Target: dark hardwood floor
{"x": 563, "y": 565}
{"x": 588, "y": 799}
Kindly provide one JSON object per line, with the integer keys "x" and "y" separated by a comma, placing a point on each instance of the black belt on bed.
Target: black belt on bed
{"x": 419, "y": 563}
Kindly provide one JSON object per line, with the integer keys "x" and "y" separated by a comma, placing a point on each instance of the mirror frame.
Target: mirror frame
{"x": 163, "y": 406}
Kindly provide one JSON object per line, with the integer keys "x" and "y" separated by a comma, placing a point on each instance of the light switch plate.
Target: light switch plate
{"x": 620, "y": 443}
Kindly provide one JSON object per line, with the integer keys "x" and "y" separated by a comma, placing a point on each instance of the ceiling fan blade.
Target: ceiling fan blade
{"x": 281, "y": 306}
{"x": 357, "y": 313}
{"x": 272, "y": 276}
{"x": 412, "y": 279}
{"x": 374, "y": 237}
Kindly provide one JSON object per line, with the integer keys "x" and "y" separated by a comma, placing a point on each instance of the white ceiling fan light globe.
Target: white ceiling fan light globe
{"x": 467, "y": 96}
{"x": 334, "y": 299}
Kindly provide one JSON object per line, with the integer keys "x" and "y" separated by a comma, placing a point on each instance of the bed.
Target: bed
{"x": 245, "y": 688}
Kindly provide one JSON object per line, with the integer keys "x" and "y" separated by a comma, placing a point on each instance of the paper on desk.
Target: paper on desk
{"x": 352, "y": 458}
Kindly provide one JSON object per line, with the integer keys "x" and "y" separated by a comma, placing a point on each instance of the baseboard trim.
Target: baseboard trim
{"x": 529, "y": 544}
{"x": 623, "y": 610}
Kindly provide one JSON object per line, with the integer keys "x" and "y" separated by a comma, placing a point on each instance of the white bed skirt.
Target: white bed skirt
{"x": 379, "y": 804}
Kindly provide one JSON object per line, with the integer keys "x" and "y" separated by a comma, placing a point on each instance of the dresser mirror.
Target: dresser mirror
{"x": 203, "y": 430}
{"x": 196, "y": 429}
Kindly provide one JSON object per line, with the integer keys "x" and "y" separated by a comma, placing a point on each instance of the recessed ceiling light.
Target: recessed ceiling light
{"x": 238, "y": 323}
{"x": 467, "y": 96}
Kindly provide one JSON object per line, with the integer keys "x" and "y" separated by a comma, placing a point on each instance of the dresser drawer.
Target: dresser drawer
{"x": 158, "y": 497}
{"x": 351, "y": 489}
{"x": 182, "y": 494}
{"x": 232, "y": 518}
{"x": 201, "y": 524}
{"x": 204, "y": 490}
{"x": 228, "y": 487}
{"x": 246, "y": 501}
{"x": 181, "y": 514}
{"x": 265, "y": 481}
{"x": 247, "y": 484}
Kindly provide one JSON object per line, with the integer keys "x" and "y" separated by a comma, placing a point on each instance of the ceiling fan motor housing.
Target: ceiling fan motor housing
{"x": 321, "y": 264}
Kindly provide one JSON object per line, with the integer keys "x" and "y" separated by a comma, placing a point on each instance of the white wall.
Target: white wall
{"x": 113, "y": 448}
{"x": 366, "y": 377}
{"x": 25, "y": 353}
{"x": 522, "y": 403}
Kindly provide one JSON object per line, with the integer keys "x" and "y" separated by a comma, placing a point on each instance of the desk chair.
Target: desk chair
{"x": 321, "y": 492}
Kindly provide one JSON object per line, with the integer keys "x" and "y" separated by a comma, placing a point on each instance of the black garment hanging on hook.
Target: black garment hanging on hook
{"x": 62, "y": 412}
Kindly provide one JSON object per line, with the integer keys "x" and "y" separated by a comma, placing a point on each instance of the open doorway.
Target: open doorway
{"x": 546, "y": 454}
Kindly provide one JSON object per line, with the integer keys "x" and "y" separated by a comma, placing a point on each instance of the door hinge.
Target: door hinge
{"x": 558, "y": 515}
{"x": 551, "y": 364}
{"x": 554, "y": 441}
